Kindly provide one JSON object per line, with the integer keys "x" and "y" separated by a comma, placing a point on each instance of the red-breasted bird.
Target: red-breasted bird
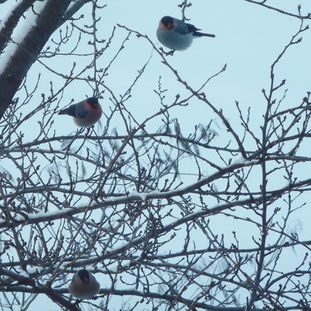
{"x": 83, "y": 285}
{"x": 176, "y": 34}
{"x": 85, "y": 113}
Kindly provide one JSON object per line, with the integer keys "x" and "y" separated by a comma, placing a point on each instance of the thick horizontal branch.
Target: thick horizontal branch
{"x": 27, "y": 219}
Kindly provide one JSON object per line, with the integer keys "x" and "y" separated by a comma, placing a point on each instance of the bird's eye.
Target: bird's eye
{"x": 170, "y": 26}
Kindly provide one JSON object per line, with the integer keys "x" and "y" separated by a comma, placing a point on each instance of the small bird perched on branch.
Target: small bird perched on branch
{"x": 176, "y": 34}
{"x": 85, "y": 113}
{"x": 83, "y": 285}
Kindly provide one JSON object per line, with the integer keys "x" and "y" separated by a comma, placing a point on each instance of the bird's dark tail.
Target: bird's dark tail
{"x": 201, "y": 34}
{"x": 70, "y": 111}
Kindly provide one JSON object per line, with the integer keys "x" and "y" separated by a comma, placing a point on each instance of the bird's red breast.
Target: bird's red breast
{"x": 90, "y": 107}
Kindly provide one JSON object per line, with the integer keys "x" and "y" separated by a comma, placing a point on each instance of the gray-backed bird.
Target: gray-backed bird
{"x": 176, "y": 34}
{"x": 85, "y": 113}
{"x": 83, "y": 285}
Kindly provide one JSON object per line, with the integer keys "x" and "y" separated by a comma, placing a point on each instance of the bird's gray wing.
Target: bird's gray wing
{"x": 185, "y": 28}
{"x": 81, "y": 111}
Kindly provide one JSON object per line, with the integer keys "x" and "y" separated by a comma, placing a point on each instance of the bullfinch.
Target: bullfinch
{"x": 176, "y": 34}
{"x": 85, "y": 113}
{"x": 83, "y": 285}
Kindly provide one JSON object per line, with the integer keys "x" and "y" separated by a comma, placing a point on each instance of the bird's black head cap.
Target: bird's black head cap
{"x": 84, "y": 275}
{"x": 167, "y": 20}
{"x": 93, "y": 101}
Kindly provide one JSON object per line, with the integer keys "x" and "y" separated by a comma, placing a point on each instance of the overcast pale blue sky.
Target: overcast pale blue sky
{"x": 248, "y": 39}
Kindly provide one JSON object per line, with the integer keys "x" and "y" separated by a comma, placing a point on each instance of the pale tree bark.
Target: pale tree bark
{"x": 51, "y": 17}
